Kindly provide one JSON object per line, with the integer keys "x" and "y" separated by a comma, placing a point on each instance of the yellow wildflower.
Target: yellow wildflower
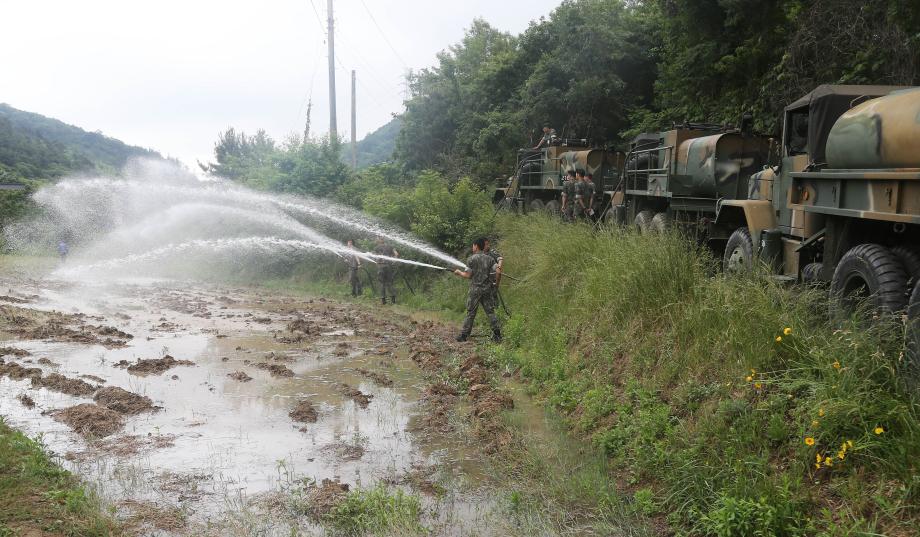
{"x": 836, "y": 364}
{"x": 841, "y": 454}
{"x": 758, "y": 385}
{"x": 820, "y": 412}
{"x": 818, "y": 464}
{"x": 809, "y": 441}
{"x": 828, "y": 461}
{"x": 753, "y": 371}
{"x": 879, "y": 430}
{"x": 814, "y": 423}
{"x": 817, "y": 457}
{"x": 749, "y": 378}
{"x": 779, "y": 339}
{"x": 787, "y": 331}
{"x": 850, "y": 444}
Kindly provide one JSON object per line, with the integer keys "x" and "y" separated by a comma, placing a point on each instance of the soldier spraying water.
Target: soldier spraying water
{"x": 480, "y": 267}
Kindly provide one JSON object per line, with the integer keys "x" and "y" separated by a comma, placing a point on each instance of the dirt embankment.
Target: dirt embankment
{"x": 90, "y": 420}
{"x": 60, "y": 383}
{"x": 27, "y": 323}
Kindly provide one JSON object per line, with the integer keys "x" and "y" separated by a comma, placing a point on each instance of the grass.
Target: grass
{"x": 377, "y": 511}
{"x": 38, "y": 495}
{"x": 701, "y": 398}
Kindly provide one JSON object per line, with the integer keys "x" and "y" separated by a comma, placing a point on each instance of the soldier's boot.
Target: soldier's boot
{"x": 462, "y": 337}
{"x": 393, "y": 299}
{"x": 497, "y": 336}
{"x": 383, "y": 301}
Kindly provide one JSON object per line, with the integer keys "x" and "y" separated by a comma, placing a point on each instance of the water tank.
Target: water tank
{"x": 718, "y": 166}
{"x": 878, "y": 134}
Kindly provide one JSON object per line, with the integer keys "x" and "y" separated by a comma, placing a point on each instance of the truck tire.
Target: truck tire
{"x": 868, "y": 272}
{"x": 811, "y": 272}
{"x": 661, "y": 223}
{"x": 739, "y": 252}
{"x": 643, "y": 221}
{"x": 553, "y": 207}
{"x": 910, "y": 258}
{"x": 536, "y": 205}
{"x": 913, "y": 339}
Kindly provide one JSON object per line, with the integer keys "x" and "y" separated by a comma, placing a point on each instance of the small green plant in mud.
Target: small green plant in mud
{"x": 378, "y": 511}
{"x": 38, "y": 495}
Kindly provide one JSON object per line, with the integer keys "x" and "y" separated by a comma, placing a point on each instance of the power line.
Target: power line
{"x": 379, "y": 29}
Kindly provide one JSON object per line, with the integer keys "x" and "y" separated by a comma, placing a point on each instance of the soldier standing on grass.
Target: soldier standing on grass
{"x": 568, "y": 195}
{"x": 354, "y": 263}
{"x": 479, "y": 270}
{"x": 590, "y": 192}
{"x": 386, "y": 272}
{"x": 578, "y": 208}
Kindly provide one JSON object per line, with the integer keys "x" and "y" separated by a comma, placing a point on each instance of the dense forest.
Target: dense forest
{"x": 35, "y": 149}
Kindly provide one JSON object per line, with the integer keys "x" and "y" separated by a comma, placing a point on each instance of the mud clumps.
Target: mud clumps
{"x": 276, "y": 370}
{"x": 360, "y": 398}
{"x": 323, "y": 498}
{"x": 89, "y": 419}
{"x": 153, "y": 366}
{"x": 123, "y": 401}
{"x": 13, "y": 351}
{"x": 379, "y": 378}
{"x": 45, "y": 361}
{"x": 26, "y": 401}
{"x": 298, "y": 330}
{"x": 60, "y": 383}
{"x": 239, "y": 376}
{"x": 304, "y": 412}
{"x": 18, "y": 372}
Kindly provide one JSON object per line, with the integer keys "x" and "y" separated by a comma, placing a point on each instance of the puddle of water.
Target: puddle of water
{"x": 226, "y": 442}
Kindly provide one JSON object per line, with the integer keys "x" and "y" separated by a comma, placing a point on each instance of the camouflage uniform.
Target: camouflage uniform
{"x": 353, "y": 279}
{"x": 481, "y": 266}
{"x": 386, "y": 273}
{"x": 590, "y": 192}
{"x": 578, "y": 212}
{"x": 497, "y": 257}
{"x": 568, "y": 188}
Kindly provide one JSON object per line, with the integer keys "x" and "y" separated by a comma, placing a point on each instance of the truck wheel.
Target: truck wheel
{"x": 739, "y": 252}
{"x": 536, "y": 205}
{"x": 661, "y": 223}
{"x": 553, "y": 207}
{"x": 913, "y": 338}
{"x": 810, "y": 273}
{"x": 868, "y": 272}
{"x": 910, "y": 258}
{"x": 643, "y": 221}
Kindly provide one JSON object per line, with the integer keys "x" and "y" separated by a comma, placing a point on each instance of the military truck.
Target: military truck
{"x": 679, "y": 177}
{"x": 843, "y": 204}
{"x": 536, "y": 184}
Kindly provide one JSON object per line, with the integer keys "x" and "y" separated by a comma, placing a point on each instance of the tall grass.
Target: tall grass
{"x": 718, "y": 393}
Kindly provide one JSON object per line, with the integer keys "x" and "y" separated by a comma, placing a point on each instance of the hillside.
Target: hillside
{"x": 36, "y": 148}
{"x": 378, "y": 146}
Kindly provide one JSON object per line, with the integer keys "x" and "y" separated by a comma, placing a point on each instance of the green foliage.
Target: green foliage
{"x": 377, "y": 147}
{"x": 678, "y": 375}
{"x": 377, "y": 510}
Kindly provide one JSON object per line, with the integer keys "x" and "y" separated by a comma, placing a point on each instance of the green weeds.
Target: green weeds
{"x": 377, "y": 511}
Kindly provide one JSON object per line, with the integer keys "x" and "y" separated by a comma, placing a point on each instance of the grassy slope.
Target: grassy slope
{"x": 38, "y": 495}
{"x": 705, "y": 407}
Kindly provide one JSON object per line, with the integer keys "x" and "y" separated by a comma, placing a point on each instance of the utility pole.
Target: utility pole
{"x": 330, "y": 38}
{"x": 354, "y": 125}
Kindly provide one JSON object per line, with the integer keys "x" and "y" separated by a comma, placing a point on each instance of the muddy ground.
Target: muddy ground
{"x": 201, "y": 410}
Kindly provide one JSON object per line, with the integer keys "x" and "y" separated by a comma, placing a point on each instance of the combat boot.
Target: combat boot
{"x": 497, "y": 336}
{"x": 462, "y": 337}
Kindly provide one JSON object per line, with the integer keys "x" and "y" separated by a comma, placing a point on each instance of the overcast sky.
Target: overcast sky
{"x": 172, "y": 74}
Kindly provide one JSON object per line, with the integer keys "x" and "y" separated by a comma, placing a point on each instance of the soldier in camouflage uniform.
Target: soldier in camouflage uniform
{"x": 354, "y": 263}
{"x": 590, "y": 194}
{"x": 386, "y": 272}
{"x": 568, "y": 195}
{"x": 479, "y": 269}
{"x": 579, "y": 208}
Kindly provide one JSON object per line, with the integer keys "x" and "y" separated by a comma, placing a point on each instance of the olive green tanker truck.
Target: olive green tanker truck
{"x": 536, "y": 184}
{"x": 843, "y": 205}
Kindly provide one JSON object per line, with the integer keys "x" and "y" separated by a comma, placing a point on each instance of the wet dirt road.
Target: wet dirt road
{"x": 198, "y": 410}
